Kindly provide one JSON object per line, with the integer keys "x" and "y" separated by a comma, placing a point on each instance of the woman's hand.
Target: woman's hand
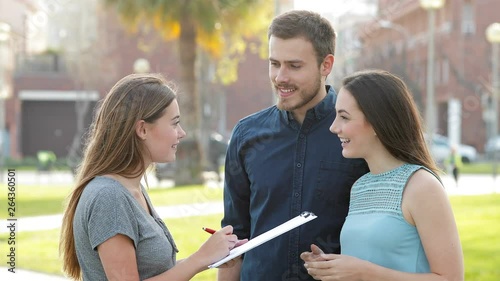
{"x": 218, "y": 246}
{"x": 233, "y": 262}
{"x": 335, "y": 267}
{"x": 313, "y": 255}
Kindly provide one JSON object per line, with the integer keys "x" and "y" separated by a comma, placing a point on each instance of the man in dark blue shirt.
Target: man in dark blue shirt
{"x": 283, "y": 160}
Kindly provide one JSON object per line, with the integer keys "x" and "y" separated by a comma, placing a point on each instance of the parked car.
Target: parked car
{"x": 492, "y": 146}
{"x": 440, "y": 149}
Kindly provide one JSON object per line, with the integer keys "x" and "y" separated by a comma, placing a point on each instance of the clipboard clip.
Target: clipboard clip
{"x": 306, "y": 214}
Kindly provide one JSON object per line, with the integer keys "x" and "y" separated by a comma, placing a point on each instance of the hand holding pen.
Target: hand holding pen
{"x": 216, "y": 247}
{"x": 209, "y": 230}
{"x": 238, "y": 242}
{"x": 212, "y": 231}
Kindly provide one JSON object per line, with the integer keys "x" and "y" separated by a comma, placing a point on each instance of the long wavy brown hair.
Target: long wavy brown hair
{"x": 388, "y": 106}
{"x": 113, "y": 147}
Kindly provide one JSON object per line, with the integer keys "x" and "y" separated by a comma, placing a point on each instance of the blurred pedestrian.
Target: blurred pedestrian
{"x": 454, "y": 163}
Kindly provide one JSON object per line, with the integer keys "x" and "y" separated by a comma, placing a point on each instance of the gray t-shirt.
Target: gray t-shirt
{"x": 106, "y": 208}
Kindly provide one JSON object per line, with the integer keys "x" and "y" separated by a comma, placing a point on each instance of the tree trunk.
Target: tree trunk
{"x": 188, "y": 163}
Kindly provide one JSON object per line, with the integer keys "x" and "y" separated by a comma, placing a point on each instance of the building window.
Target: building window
{"x": 437, "y": 73}
{"x": 446, "y": 71}
{"x": 468, "y": 20}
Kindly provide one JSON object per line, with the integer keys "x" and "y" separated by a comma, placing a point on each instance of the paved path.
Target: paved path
{"x": 472, "y": 185}
{"x": 27, "y": 275}
{"x": 467, "y": 185}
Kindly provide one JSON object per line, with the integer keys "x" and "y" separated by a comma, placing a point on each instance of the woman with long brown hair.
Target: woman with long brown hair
{"x": 110, "y": 229}
{"x": 400, "y": 224}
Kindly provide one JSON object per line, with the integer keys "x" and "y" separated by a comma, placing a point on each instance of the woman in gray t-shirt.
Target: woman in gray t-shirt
{"x": 110, "y": 229}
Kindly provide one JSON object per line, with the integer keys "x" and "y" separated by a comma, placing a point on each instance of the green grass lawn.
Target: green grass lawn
{"x": 38, "y": 251}
{"x": 189, "y": 237}
{"x": 33, "y": 200}
{"x": 477, "y": 217}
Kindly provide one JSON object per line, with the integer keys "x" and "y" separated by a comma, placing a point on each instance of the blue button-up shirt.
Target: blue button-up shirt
{"x": 275, "y": 169}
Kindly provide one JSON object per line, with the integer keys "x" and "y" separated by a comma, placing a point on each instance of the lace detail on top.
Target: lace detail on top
{"x": 381, "y": 193}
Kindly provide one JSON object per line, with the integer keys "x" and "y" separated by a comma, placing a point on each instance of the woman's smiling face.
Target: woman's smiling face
{"x": 356, "y": 134}
{"x": 164, "y": 135}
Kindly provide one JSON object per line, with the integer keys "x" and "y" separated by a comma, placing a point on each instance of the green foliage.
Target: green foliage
{"x": 31, "y": 164}
{"x": 25, "y": 162}
{"x": 51, "y": 51}
{"x": 222, "y": 28}
{"x": 210, "y": 26}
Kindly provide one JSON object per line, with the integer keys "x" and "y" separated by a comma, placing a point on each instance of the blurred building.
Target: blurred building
{"x": 397, "y": 40}
{"x": 16, "y": 32}
{"x": 252, "y": 92}
{"x": 49, "y": 104}
{"x": 348, "y": 45}
{"x": 76, "y": 50}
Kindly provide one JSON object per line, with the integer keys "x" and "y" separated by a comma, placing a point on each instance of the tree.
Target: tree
{"x": 218, "y": 27}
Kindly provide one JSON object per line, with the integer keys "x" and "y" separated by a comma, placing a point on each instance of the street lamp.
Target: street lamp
{"x": 141, "y": 65}
{"x": 4, "y": 32}
{"x": 4, "y": 38}
{"x": 493, "y": 36}
{"x": 430, "y": 109}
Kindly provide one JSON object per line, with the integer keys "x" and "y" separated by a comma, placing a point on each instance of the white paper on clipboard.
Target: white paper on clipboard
{"x": 266, "y": 236}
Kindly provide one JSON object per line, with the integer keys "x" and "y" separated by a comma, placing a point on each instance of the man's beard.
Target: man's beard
{"x": 304, "y": 95}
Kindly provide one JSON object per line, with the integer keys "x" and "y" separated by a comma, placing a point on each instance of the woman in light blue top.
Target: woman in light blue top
{"x": 400, "y": 224}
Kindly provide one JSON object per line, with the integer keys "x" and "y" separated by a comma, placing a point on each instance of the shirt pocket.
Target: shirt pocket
{"x": 334, "y": 182}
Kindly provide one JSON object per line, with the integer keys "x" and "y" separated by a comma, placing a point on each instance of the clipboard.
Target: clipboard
{"x": 266, "y": 236}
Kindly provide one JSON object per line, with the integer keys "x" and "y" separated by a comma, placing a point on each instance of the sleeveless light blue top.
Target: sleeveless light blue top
{"x": 375, "y": 229}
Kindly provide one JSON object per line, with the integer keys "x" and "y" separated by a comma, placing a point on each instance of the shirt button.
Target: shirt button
{"x": 299, "y": 165}
{"x": 296, "y": 194}
{"x": 301, "y": 136}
